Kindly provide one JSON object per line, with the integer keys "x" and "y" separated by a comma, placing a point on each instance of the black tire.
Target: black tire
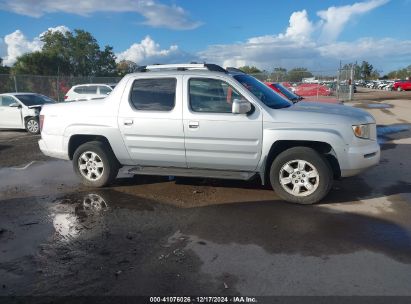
{"x": 312, "y": 158}
{"x": 105, "y": 156}
{"x": 32, "y": 125}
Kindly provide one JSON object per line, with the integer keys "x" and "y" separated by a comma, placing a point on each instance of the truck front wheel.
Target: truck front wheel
{"x": 301, "y": 175}
{"x": 95, "y": 164}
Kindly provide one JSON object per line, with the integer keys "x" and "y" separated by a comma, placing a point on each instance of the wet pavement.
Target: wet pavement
{"x": 184, "y": 236}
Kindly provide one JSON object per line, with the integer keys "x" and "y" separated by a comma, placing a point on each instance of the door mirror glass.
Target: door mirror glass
{"x": 14, "y": 105}
{"x": 241, "y": 106}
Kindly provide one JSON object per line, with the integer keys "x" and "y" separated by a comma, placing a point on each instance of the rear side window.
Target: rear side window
{"x": 157, "y": 94}
{"x": 86, "y": 90}
{"x": 104, "y": 90}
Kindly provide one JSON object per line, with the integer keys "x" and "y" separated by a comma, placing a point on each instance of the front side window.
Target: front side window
{"x": 6, "y": 101}
{"x": 156, "y": 94}
{"x": 211, "y": 95}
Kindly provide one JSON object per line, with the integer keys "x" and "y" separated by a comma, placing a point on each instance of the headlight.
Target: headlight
{"x": 362, "y": 131}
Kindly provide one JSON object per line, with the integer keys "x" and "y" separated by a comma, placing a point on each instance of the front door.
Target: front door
{"x": 215, "y": 138}
{"x": 150, "y": 119}
{"x": 10, "y": 117}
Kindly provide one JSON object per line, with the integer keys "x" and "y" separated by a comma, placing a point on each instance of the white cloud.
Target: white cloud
{"x": 388, "y": 49}
{"x": 17, "y": 44}
{"x": 148, "y": 52}
{"x": 301, "y": 44}
{"x": 155, "y": 13}
{"x": 335, "y": 18}
{"x": 313, "y": 45}
{"x": 61, "y": 28}
{"x": 300, "y": 27}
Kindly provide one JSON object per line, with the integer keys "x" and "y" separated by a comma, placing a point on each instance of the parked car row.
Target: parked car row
{"x": 388, "y": 85}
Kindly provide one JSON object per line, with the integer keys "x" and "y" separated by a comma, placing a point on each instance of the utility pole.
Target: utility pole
{"x": 351, "y": 82}
{"x": 58, "y": 84}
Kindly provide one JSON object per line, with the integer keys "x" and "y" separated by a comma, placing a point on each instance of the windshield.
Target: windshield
{"x": 290, "y": 95}
{"x": 262, "y": 92}
{"x": 34, "y": 99}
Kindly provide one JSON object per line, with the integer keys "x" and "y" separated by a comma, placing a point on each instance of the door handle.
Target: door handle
{"x": 128, "y": 122}
{"x": 193, "y": 124}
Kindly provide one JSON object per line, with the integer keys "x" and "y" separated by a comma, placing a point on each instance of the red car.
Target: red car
{"x": 402, "y": 85}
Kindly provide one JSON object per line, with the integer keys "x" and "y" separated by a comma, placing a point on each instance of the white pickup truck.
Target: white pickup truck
{"x": 200, "y": 120}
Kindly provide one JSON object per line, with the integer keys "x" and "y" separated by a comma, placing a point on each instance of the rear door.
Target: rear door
{"x": 10, "y": 117}
{"x": 150, "y": 119}
{"x": 215, "y": 138}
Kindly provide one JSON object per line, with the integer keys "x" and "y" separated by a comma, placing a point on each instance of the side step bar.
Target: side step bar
{"x": 189, "y": 172}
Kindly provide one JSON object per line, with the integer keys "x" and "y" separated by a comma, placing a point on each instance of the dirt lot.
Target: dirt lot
{"x": 165, "y": 236}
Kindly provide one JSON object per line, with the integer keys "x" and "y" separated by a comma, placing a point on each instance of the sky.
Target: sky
{"x": 264, "y": 33}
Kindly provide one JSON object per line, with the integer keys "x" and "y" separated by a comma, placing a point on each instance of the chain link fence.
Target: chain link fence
{"x": 345, "y": 84}
{"x": 53, "y": 86}
{"x": 322, "y": 85}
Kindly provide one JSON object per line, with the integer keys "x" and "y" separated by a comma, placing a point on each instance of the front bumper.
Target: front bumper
{"x": 360, "y": 158}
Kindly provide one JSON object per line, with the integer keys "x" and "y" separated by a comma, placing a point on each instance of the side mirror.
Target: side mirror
{"x": 240, "y": 106}
{"x": 15, "y": 105}
{"x": 108, "y": 93}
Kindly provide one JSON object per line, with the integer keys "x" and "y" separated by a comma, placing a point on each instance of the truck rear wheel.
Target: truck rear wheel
{"x": 95, "y": 164}
{"x": 301, "y": 175}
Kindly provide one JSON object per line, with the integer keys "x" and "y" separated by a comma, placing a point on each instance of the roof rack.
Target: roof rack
{"x": 182, "y": 67}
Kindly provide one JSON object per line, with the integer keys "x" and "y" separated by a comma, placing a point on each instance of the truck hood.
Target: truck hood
{"x": 328, "y": 113}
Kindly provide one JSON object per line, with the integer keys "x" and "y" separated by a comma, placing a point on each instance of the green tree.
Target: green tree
{"x": 278, "y": 74}
{"x": 250, "y": 69}
{"x": 40, "y": 63}
{"x": 107, "y": 62}
{"x": 375, "y": 74}
{"x": 297, "y": 74}
{"x": 125, "y": 67}
{"x": 3, "y": 69}
{"x": 74, "y": 53}
{"x": 400, "y": 73}
{"x": 366, "y": 70}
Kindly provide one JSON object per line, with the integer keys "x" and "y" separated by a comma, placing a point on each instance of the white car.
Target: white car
{"x": 21, "y": 110}
{"x": 201, "y": 120}
{"x": 89, "y": 91}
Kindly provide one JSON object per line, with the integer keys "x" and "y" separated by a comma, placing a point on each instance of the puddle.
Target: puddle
{"x": 42, "y": 178}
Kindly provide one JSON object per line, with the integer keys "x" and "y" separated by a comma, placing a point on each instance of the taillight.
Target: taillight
{"x": 65, "y": 97}
{"x": 41, "y": 121}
